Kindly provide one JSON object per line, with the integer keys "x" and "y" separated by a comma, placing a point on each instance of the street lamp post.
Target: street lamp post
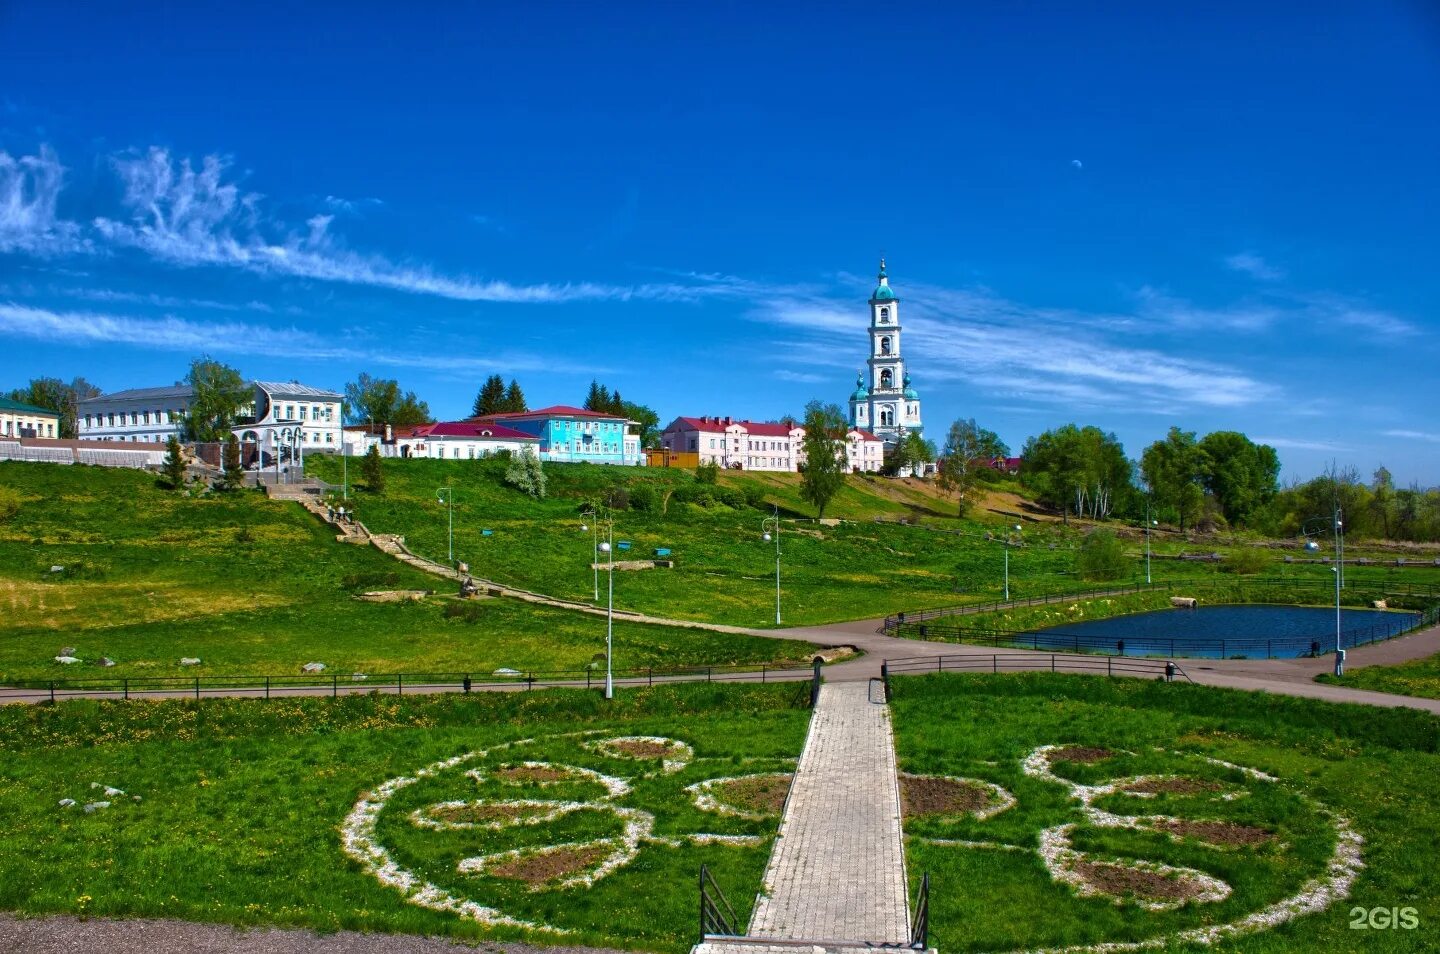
{"x": 769, "y": 527}
{"x": 1148, "y": 524}
{"x": 608, "y": 548}
{"x": 446, "y": 495}
{"x": 1337, "y": 530}
{"x": 594, "y": 528}
{"x": 1006, "y": 541}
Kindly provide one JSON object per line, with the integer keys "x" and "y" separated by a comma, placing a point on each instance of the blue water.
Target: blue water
{"x": 1255, "y": 631}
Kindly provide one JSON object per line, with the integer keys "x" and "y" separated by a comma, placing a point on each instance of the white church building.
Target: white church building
{"x": 884, "y": 403}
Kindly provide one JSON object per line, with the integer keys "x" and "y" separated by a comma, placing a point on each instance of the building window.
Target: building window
{"x": 112, "y": 420}
{"x": 887, "y": 380}
{"x": 884, "y": 314}
{"x": 885, "y": 345}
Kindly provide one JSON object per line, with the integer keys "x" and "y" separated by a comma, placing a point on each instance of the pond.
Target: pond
{"x": 1256, "y": 631}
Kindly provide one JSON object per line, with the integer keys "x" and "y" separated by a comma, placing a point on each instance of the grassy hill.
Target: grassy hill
{"x": 254, "y": 586}
{"x": 724, "y": 571}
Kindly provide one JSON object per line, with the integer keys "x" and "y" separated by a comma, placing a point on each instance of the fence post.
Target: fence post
{"x": 267, "y": 687}
{"x": 587, "y": 679}
{"x": 995, "y": 663}
{"x": 399, "y": 684}
{"x": 709, "y": 670}
{"x": 1109, "y": 667}
{"x": 885, "y": 678}
{"x": 125, "y": 684}
{"x": 197, "y": 687}
{"x": 815, "y": 680}
{"x": 52, "y": 690}
{"x": 334, "y": 685}
{"x": 466, "y": 683}
{"x": 1052, "y": 662}
{"x": 650, "y": 674}
{"x": 762, "y": 672}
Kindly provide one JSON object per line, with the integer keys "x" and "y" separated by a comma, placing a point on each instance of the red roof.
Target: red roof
{"x": 864, "y": 434}
{"x": 555, "y": 410}
{"x": 718, "y": 425}
{"x": 471, "y": 429}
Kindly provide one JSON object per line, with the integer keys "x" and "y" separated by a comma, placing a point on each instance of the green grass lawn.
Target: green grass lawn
{"x": 1332, "y": 769}
{"x": 1419, "y": 677}
{"x": 253, "y": 586}
{"x": 246, "y": 809}
{"x": 724, "y": 571}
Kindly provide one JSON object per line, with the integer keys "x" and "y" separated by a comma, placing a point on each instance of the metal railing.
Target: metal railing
{"x": 1166, "y": 669}
{"x": 336, "y": 684}
{"x": 717, "y": 917}
{"x": 920, "y": 920}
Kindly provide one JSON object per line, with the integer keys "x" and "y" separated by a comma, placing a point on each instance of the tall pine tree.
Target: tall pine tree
{"x": 491, "y": 399}
{"x": 598, "y": 397}
{"x": 514, "y": 399}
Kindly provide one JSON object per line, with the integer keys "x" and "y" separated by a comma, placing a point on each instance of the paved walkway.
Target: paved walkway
{"x": 838, "y": 867}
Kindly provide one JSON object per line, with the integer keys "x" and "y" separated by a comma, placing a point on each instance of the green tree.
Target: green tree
{"x": 915, "y": 452}
{"x": 410, "y": 411}
{"x": 370, "y": 400}
{"x": 514, "y": 402}
{"x": 1101, "y": 556}
{"x": 55, "y": 395}
{"x": 525, "y": 474}
{"x": 824, "y": 454}
{"x": 1241, "y": 475}
{"x": 968, "y": 447}
{"x": 598, "y": 398}
{"x": 172, "y": 468}
{"x": 1175, "y": 469}
{"x": 1080, "y": 470}
{"x": 1382, "y": 501}
{"x": 372, "y": 470}
{"x": 218, "y": 393}
{"x": 233, "y": 475}
{"x": 491, "y": 399}
{"x": 648, "y": 421}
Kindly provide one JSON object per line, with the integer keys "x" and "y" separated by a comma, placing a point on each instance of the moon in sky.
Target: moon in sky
{"x": 1077, "y": 163}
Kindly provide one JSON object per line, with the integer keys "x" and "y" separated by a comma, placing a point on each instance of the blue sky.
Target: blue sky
{"x": 1220, "y": 217}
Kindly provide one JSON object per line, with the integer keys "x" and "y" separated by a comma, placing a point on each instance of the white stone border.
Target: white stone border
{"x": 616, "y": 787}
{"x": 706, "y": 801}
{"x": 682, "y": 753}
{"x": 1000, "y": 799}
{"x": 638, "y": 827}
{"x": 1345, "y": 864}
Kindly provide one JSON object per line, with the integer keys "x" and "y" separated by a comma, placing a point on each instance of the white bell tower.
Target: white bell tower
{"x": 884, "y": 403}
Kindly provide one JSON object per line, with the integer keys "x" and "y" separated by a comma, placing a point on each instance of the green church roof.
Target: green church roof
{"x": 8, "y": 405}
{"x": 883, "y": 293}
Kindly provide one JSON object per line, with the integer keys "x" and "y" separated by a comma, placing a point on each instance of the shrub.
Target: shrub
{"x": 373, "y": 470}
{"x": 755, "y": 496}
{"x": 526, "y": 475}
{"x": 707, "y": 473}
{"x": 730, "y": 497}
{"x": 1247, "y": 561}
{"x": 645, "y": 499}
{"x": 1101, "y": 557}
{"x": 10, "y": 501}
{"x": 618, "y": 498}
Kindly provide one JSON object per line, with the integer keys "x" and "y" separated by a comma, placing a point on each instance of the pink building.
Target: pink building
{"x": 751, "y": 445}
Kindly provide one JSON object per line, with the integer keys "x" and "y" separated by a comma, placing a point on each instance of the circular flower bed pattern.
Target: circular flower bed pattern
{"x": 1090, "y": 854}
{"x": 474, "y": 834}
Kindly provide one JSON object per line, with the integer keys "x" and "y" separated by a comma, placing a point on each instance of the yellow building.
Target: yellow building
{"x": 27, "y": 420}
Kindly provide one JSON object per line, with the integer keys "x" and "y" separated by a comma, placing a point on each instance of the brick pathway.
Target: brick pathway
{"x": 838, "y": 867}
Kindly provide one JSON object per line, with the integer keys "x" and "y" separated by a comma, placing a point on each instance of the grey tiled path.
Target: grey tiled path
{"x": 838, "y": 868}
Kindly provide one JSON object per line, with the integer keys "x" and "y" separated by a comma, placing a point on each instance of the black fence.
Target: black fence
{"x": 1249, "y": 647}
{"x": 337, "y": 684}
{"x": 1167, "y": 669}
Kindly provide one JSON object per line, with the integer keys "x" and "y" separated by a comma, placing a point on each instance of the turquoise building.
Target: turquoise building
{"x": 571, "y": 434}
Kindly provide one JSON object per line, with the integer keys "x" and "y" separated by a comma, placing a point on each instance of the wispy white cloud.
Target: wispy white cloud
{"x": 170, "y": 333}
{"x": 1014, "y": 351}
{"x": 1325, "y": 309}
{"x": 162, "y": 301}
{"x": 802, "y": 377}
{"x": 188, "y": 216}
{"x": 1162, "y": 311}
{"x": 29, "y": 194}
{"x": 1253, "y": 265}
{"x": 1415, "y": 436}
{"x": 1305, "y": 444}
{"x": 351, "y": 206}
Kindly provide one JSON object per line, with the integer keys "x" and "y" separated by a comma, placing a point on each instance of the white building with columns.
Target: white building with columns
{"x": 282, "y": 414}
{"x": 884, "y": 403}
